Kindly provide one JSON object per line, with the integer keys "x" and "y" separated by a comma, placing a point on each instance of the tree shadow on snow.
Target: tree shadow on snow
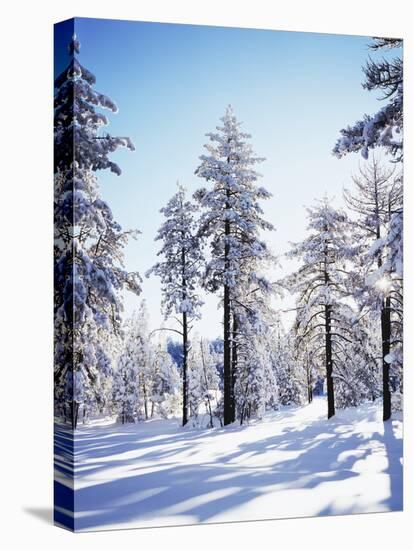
{"x": 199, "y": 492}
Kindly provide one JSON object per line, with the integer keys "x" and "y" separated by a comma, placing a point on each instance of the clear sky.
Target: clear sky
{"x": 293, "y": 91}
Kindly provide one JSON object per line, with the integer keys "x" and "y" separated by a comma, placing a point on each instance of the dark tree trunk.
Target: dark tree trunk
{"x": 385, "y": 338}
{"x": 227, "y": 357}
{"x": 329, "y": 365}
{"x": 234, "y": 366}
{"x": 309, "y": 392}
{"x": 385, "y": 334}
{"x": 74, "y": 410}
{"x": 329, "y": 354}
{"x": 385, "y": 346}
{"x": 184, "y": 339}
{"x": 145, "y": 401}
{"x": 227, "y": 323}
{"x": 309, "y": 382}
{"x": 243, "y": 408}
{"x": 184, "y": 369}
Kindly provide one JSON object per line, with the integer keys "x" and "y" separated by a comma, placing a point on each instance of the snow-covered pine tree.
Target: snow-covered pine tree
{"x": 114, "y": 344}
{"x": 143, "y": 354}
{"x": 89, "y": 273}
{"x": 134, "y": 377}
{"x": 125, "y": 386}
{"x": 393, "y": 264}
{"x": 377, "y": 197}
{"x": 322, "y": 317}
{"x": 256, "y": 388}
{"x": 385, "y": 128}
{"x": 307, "y": 368}
{"x": 232, "y": 221}
{"x": 210, "y": 378}
{"x": 356, "y": 369}
{"x": 194, "y": 381}
{"x": 179, "y": 273}
{"x": 310, "y": 372}
{"x": 203, "y": 380}
{"x": 289, "y": 371}
{"x": 166, "y": 384}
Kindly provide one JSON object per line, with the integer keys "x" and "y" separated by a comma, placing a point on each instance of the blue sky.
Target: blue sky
{"x": 293, "y": 91}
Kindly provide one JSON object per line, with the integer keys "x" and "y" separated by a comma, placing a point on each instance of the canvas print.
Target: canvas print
{"x": 228, "y": 274}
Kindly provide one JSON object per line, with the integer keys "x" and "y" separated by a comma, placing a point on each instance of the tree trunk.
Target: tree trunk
{"x": 329, "y": 364}
{"x": 184, "y": 338}
{"x": 234, "y": 366}
{"x": 74, "y": 410}
{"x": 208, "y": 403}
{"x": 145, "y": 401}
{"x": 76, "y": 413}
{"x": 227, "y": 358}
{"x": 385, "y": 338}
{"x": 329, "y": 355}
{"x": 309, "y": 382}
{"x": 309, "y": 391}
{"x": 227, "y": 324}
{"x": 243, "y": 408}
{"x": 184, "y": 369}
{"x": 385, "y": 334}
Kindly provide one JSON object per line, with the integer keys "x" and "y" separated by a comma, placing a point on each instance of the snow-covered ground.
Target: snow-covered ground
{"x": 294, "y": 463}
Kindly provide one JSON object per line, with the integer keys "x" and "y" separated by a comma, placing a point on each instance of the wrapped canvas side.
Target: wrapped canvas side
{"x": 89, "y": 273}
{"x": 65, "y": 405}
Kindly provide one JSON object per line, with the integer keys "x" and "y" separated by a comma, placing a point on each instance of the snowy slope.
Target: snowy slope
{"x": 293, "y": 463}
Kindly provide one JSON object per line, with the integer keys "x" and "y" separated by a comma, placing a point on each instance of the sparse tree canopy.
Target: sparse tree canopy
{"x": 179, "y": 272}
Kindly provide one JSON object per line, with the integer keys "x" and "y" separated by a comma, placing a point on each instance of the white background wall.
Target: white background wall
{"x": 26, "y": 273}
